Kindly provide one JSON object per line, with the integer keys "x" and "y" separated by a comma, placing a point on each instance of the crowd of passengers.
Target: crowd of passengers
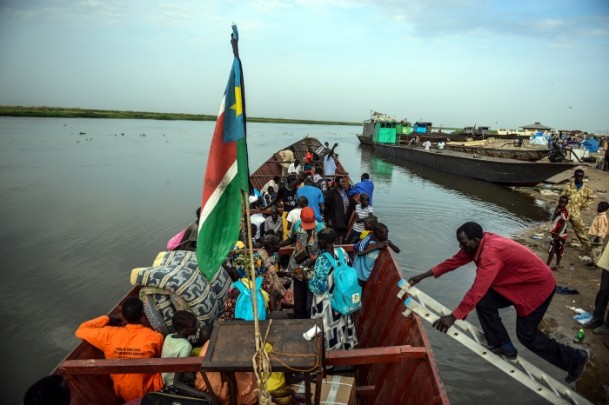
{"x": 308, "y": 208}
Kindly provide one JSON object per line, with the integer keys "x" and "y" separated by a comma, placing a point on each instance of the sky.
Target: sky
{"x": 455, "y": 63}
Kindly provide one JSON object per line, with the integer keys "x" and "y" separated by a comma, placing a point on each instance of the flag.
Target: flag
{"x": 226, "y": 176}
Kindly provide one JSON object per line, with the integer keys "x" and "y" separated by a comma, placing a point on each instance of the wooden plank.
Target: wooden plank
{"x": 129, "y": 366}
{"x": 365, "y": 391}
{"x": 374, "y": 355}
{"x": 231, "y": 345}
{"x": 560, "y": 177}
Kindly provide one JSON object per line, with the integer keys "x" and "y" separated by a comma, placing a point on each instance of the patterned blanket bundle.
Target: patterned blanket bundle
{"x": 173, "y": 283}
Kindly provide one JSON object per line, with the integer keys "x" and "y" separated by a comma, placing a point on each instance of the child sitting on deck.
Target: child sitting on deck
{"x": 560, "y": 218}
{"x": 370, "y": 222}
{"x": 177, "y": 344}
{"x": 368, "y": 249}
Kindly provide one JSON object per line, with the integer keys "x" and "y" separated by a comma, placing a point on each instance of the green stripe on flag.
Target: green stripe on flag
{"x": 221, "y": 230}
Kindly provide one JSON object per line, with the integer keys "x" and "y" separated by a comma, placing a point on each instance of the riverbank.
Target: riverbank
{"x": 60, "y": 112}
{"x": 575, "y": 274}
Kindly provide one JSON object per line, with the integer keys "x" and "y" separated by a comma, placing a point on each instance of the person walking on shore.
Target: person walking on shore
{"x": 598, "y": 230}
{"x": 600, "y": 316}
{"x": 507, "y": 274}
{"x": 580, "y": 197}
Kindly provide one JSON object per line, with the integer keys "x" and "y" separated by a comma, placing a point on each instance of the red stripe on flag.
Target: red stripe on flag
{"x": 221, "y": 156}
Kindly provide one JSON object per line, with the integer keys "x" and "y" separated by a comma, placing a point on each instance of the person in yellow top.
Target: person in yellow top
{"x": 131, "y": 341}
{"x": 580, "y": 197}
{"x": 598, "y": 230}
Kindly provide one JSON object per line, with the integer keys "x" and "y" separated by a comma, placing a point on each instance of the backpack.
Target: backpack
{"x": 243, "y": 306}
{"x": 346, "y": 292}
{"x": 173, "y": 396}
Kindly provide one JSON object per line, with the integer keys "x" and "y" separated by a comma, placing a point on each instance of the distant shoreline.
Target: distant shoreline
{"x": 59, "y": 112}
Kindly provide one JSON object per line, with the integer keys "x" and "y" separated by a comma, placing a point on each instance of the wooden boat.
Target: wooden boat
{"x": 509, "y": 152}
{"x": 495, "y": 170}
{"x": 394, "y": 362}
{"x": 364, "y": 139}
{"x": 381, "y": 127}
{"x": 272, "y": 167}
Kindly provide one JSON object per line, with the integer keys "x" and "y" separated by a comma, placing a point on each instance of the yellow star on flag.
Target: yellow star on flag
{"x": 238, "y": 106}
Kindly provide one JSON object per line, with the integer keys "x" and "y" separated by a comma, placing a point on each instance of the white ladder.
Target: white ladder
{"x": 473, "y": 338}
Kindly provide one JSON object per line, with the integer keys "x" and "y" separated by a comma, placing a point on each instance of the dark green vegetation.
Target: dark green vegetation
{"x": 59, "y": 112}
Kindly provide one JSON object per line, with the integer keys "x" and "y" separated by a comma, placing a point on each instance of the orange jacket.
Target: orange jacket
{"x": 132, "y": 341}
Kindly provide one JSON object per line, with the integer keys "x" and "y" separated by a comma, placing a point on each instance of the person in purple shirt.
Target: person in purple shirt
{"x": 314, "y": 196}
{"x": 364, "y": 186}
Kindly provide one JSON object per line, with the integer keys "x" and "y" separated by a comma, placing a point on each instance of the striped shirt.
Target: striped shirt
{"x": 361, "y": 213}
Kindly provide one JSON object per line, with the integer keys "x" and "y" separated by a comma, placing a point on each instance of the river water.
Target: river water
{"x": 83, "y": 201}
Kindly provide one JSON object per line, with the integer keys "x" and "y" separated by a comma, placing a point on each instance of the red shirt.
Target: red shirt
{"x": 511, "y": 269}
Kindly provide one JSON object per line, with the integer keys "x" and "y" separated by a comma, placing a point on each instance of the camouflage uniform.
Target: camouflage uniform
{"x": 578, "y": 200}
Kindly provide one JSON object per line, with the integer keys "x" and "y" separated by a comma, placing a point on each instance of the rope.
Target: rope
{"x": 276, "y": 356}
{"x": 299, "y": 370}
{"x": 260, "y": 360}
{"x": 262, "y": 369}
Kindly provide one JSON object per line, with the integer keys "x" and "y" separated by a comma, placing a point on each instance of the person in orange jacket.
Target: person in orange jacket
{"x": 131, "y": 341}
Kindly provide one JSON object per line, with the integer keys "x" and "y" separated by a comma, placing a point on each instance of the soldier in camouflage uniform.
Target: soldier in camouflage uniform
{"x": 580, "y": 197}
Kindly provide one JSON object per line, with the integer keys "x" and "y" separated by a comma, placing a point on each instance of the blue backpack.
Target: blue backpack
{"x": 346, "y": 292}
{"x": 243, "y": 306}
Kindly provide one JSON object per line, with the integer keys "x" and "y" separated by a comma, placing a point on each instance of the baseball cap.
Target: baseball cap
{"x": 307, "y": 218}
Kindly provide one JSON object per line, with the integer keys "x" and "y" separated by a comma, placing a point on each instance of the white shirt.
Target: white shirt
{"x": 441, "y": 145}
{"x": 257, "y": 219}
{"x": 329, "y": 166}
{"x": 294, "y": 169}
{"x": 270, "y": 183}
{"x": 427, "y": 145}
{"x": 293, "y": 215}
{"x": 361, "y": 214}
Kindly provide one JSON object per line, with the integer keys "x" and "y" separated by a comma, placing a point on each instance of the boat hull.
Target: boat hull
{"x": 495, "y": 170}
{"x": 364, "y": 140}
{"x": 381, "y": 324}
{"x": 394, "y": 360}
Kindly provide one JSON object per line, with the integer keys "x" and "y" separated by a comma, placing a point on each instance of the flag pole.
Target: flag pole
{"x": 252, "y": 272}
{"x": 260, "y": 359}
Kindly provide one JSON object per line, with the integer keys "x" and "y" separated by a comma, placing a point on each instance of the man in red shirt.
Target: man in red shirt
{"x": 507, "y": 274}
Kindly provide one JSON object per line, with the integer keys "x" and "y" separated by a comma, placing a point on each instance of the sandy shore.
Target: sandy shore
{"x": 575, "y": 274}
